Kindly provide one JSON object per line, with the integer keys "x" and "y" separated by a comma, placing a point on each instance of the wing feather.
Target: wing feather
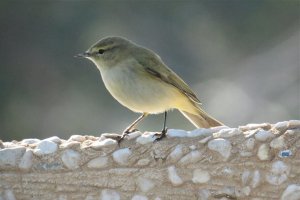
{"x": 158, "y": 69}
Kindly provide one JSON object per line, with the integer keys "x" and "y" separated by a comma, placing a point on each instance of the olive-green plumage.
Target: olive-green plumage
{"x": 138, "y": 79}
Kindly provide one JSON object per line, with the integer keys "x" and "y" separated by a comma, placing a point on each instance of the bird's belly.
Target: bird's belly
{"x": 138, "y": 92}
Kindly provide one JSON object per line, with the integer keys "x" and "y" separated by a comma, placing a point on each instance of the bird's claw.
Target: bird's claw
{"x": 124, "y": 134}
{"x": 160, "y": 135}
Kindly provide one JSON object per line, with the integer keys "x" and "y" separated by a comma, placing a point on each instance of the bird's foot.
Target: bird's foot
{"x": 124, "y": 134}
{"x": 160, "y": 135}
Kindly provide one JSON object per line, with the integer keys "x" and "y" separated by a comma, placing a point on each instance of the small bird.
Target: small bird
{"x": 139, "y": 80}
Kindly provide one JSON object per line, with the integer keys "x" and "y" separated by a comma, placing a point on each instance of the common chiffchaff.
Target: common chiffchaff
{"x": 138, "y": 79}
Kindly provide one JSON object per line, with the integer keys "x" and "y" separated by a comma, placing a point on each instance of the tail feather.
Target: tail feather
{"x": 201, "y": 120}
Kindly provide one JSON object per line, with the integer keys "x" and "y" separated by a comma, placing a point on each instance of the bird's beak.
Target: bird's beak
{"x": 83, "y": 55}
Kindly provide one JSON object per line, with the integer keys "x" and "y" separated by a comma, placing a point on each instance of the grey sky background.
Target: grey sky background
{"x": 240, "y": 57}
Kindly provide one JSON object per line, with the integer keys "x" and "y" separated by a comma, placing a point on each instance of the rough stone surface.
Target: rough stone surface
{"x": 292, "y": 192}
{"x": 9, "y": 157}
{"x": 200, "y": 176}
{"x": 147, "y": 137}
{"x": 99, "y": 162}
{"x": 145, "y": 184}
{"x": 227, "y": 132}
{"x": 139, "y": 197}
{"x": 71, "y": 159}
{"x": 263, "y": 135}
{"x": 263, "y": 152}
{"x": 110, "y": 195}
{"x": 222, "y": 146}
{"x": 278, "y": 174}
{"x": 121, "y": 156}
{"x": 255, "y": 162}
{"x": 45, "y": 147}
{"x": 27, "y": 160}
{"x": 173, "y": 176}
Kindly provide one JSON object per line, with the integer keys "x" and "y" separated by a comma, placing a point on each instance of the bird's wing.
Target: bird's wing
{"x": 159, "y": 70}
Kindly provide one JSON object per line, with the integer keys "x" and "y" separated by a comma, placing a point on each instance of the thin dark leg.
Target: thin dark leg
{"x": 162, "y": 134}
{"x": 132, "y": 126}
{"x": 165, "y": 121}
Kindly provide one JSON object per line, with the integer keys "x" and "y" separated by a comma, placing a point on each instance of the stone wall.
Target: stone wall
{"x": 256, "y": 161}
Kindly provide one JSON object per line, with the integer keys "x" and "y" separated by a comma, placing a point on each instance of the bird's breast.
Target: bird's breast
{"x": 139, "y": 91}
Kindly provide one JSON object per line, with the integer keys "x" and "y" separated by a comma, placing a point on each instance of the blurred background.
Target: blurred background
{"x": 241, "y": 58}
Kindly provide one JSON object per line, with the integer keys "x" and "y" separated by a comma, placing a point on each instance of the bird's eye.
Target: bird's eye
{"x": 101, "y": 51}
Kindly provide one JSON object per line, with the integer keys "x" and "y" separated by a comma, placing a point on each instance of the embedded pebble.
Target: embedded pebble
{"x": 62, "y": 197}
{"x": 143, "y": 162}
{"x": 30, "y": 141}
{"x": 133, "y": 135}
{"x": 263, "y": 152}
{"x": 263, "y": 135}
{"x": 9, "y": 157}
{"x": 246, "y": 190}
{"x": 99, "y": 162}
{"x": 278, "y": 174}
{"x": 139, "y": 197}
{"x": 55, "y": 139}
{"x": 71, "y": 158}
{"x": 251, "y": 178}
{"x": 173, "y": 176}
{"x": 45, "y": 147}
{"x": 145, "y": 184}
{"x": 278, "y": 143}
{"x": 281, "y": 125}
{"x": 200, "y": 176}
{"x": 107, "y": 194}
{"x": 9, "y": 195}
{"x": 255, "y": 179}
{"x": 193, "y": 147}
{"x": 226, "y": 133}
{"x": 104, "y": 143}
{"x": 192, "y": 157}
{"x": 176, "y": 133}
{"x": 121, "y": 156}
{"x": 78, "y": 138}
{"x": 222, "y": 146}
{"x": 176, "y": 154}
{"x": 201, "y": 132}
{"x": 147, "y": 137}
{"x": 292, "y": 192}
{"x": 245, "y": 177}
{"x": 27, "y": 160}
{"x": 204, "y": 194}
{"x": 294, "y": 124}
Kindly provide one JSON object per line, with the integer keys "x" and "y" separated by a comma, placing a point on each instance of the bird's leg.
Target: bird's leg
{"x": 132, "y": 126}
{"x": 162, "y": 134}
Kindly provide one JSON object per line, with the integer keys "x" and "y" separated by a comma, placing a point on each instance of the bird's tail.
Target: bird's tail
{"x": 201, "y": 119}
